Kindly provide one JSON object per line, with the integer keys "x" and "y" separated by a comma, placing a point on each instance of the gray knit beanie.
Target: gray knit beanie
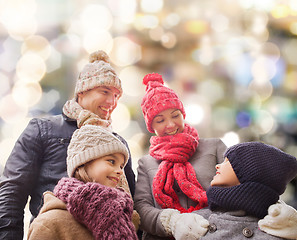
{"x": 91, "y": 142}
{"x": 98, "y": 72}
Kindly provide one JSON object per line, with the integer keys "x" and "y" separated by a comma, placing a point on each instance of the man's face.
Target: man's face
{"x": 100, "y": 100}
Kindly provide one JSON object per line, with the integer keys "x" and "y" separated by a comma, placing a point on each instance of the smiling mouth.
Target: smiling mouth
{"x": 104, "y": 109}
{"x": 114, "y": 179}
{"x": 173, "y": 132}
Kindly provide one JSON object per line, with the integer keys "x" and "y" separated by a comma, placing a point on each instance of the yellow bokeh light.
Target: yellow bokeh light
{"x": 30, "y": 67}
{"x": 38, "y": 45}
{"x": 196, "y": 27}
{"x": 27, "y": 94}
{"x": 125, "y": 52}
{"x": 10, "y": 111}
{"x": 120, "y": 118}
{"x": 280, "y": 11}
{"x": 94, "y": 40}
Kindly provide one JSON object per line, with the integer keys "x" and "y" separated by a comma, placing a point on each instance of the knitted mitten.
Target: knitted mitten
{"x": 65, "y": 186}
{"x": 105, "y": 211}
{"x": 183, "y": 225}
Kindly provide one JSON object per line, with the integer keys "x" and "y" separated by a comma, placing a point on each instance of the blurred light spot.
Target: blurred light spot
{"x": 156, "y": 33}
{"x": 289, "y": 51}
{"x": 280, "y": 11}
{"x": 264, "y": 90}
{"x": 54, "y": 61}
{"x": 264, "y": 122}
{"x": 18, "y": 18}
{"x": 120, "y": 118}
{"x": 168, "y": 40}
{"x": 37, "y": 45}
{"x": 293, "y": 28}
{"x": 243, "y": 119}
{"x": 95, "y": 16}
{"x": 67, "y": 44}
{"x": 4, "y": 84}
{"x": 211, "y": 90}
{"x": 6, "y": 147}
{"x": 290, "y": 81}
{"x": 94, "y": 40}
{"x": 136, "y": 152}
{"x": 281, "y": 108}
{"x": 124, "y": 9}
{"x": 171, "y": 20}
{"x": 223, "y": 118}
{"x": 196, "y": 26}
{"x": 48, "y": 100}
{"x": 151, "y": 6}
{"x": 30, "y": 67}
{"x": 263, "y": 69}
{"x": 230, "y": 139}
{"x": 10, "y": 111}
{"x": 146, "y": 21}
{"x": 219, "y": 23}
{"x": 27, "y": 94}
{"x": 194, "y": 114}
{"x": 125, "y": 52}
{"x": 10, "y": 55}
{"x": 132, "y": 81}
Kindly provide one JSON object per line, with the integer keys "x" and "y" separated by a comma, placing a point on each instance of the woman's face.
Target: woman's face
{"x": 106, "y": 170}
{"x": 225, "y": 175}
{"x": 168, "y": 122}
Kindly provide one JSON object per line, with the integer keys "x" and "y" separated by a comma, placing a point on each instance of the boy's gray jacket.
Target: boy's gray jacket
{"x": 234, "y": 225}
{"x": 208, "y": 153}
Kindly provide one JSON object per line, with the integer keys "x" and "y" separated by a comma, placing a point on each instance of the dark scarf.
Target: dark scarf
{"x": 254, "y": 198}
{"x": 174, "y": 151}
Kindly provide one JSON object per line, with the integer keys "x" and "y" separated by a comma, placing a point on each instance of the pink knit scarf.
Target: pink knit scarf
{"x": 174, "y": 151}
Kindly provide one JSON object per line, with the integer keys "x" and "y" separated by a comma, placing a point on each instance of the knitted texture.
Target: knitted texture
{"x": 98, "y": 72}
{"x": 174, "y": 151}
{"x": 263, "y": 172}
{"x": 83, "y": 116}
{"x": 105, "y": 211}
{"x": 157, "y": 99}
{"x": 92, "y": 142}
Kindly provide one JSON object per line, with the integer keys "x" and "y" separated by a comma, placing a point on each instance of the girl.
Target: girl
{"x": 87, "y": 205}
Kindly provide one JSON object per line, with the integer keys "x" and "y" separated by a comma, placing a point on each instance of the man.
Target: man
{"x": 38, "y": 159}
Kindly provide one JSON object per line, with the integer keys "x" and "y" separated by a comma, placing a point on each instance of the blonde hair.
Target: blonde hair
{"x": 82, "y": 175}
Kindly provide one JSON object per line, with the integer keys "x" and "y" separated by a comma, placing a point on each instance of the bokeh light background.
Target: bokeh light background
{"x": 232, "y": 62}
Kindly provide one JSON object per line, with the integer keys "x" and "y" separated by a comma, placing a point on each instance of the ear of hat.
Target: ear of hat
{"x": 91, "y": 142}
{"x": 157, "y": 99}
{"x": 98, "y": 72}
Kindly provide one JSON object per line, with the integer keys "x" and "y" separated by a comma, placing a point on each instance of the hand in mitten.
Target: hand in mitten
{"x": 281, "y": 221}
{"x": 66, "y": 186}
{"x": 183, "y": 225}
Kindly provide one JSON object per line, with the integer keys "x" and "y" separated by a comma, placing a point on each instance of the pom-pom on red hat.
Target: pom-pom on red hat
{"x": 157, "y": 99}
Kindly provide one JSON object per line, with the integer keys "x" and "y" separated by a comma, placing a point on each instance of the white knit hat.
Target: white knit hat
{"x": 98, "y": 72}
{"x": 91, "y": 142}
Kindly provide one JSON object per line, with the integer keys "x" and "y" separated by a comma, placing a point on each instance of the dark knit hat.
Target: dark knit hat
{"x": 157, "y": 99}
{"x": 263, "y": 172}
{"x": 262, "y": 163}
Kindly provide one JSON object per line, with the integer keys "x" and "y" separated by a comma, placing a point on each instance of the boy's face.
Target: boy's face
{"x": 168, "y": 122}
{"x": 106, "y": 170}
{"x": 225, "y": 175}
{"x": 100, "y": 100}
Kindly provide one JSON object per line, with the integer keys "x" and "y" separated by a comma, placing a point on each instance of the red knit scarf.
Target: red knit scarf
{"x": 174, "y": 151}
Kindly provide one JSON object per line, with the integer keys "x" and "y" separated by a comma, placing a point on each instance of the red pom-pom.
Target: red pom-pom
{"x": 152, "y": 77}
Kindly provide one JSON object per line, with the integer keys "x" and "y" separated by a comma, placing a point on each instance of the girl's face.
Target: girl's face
{"x": 225, "y": 175}
{"x": 106, "y": 170}
{"x": 168, "y": 122}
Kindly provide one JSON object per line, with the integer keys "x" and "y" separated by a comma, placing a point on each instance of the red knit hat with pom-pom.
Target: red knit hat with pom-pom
{"x": 157, "y": 99}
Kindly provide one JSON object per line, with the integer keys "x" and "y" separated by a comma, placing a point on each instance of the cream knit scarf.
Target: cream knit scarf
{"x": 73, "y": 110}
